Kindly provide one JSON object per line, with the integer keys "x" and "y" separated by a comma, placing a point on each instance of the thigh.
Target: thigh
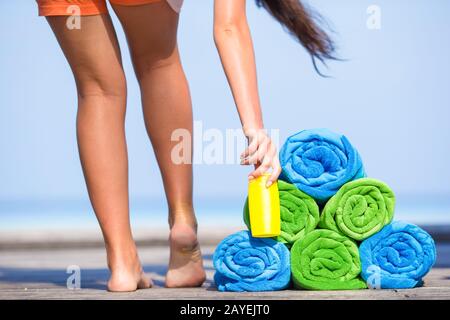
{"x": 92, "y": 52}
{"x": 151, "y": 32}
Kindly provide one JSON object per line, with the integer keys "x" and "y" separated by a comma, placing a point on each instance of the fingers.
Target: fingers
{"x": 270, "y": 161}
{"x": 251, "y": 149}
{"x": 258, "y": 155}
{"x": 262, "y": 159}
{"x": 276, "y": 170}
{"x": 263, "y": 168}
{"x": 262, "y": 153}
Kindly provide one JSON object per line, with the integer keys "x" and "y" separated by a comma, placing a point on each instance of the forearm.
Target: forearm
{"x": 235, "y": 48}
{"x": 234, "y": 43}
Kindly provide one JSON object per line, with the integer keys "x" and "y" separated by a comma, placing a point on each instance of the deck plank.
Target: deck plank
{"x": 41, "y": 274}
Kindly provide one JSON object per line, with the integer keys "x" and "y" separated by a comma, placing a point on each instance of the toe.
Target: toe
{"x": 145, "y": 282}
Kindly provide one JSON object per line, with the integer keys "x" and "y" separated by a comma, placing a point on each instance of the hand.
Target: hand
{"x": 262, "y": 153}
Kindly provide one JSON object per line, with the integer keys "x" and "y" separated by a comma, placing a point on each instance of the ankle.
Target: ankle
{"x": 183, "y": 222}
{"x": 183, "y": 237}
{"x": 184, "y": 215}
{"x": 121, "y": 260}
{"x": 181, "y": 206}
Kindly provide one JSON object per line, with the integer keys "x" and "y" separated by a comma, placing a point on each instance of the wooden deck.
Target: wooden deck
{"x": 41, "y": 274}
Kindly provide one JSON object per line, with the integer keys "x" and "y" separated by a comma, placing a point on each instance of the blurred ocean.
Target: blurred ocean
{"x": 23, "y": 215}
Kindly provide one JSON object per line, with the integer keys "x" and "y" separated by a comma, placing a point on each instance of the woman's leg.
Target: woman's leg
{"x": 94, "y": 56}
{"x": 151, "y": 31}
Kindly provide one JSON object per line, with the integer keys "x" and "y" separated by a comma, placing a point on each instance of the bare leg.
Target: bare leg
{"x": 94, "y": 57}
{"x": 152, "y": 37}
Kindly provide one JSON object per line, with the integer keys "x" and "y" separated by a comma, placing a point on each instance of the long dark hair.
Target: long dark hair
{"x": 305, "y": 25}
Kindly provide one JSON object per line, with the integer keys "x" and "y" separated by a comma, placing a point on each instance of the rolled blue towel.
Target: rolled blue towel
{"x": 319, "y": 162}
{"x": 397, "y": 257}
{"x": 244, "y": 263}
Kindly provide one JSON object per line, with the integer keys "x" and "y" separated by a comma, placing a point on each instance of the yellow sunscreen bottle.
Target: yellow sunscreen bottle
{"x": 264, "y": 207}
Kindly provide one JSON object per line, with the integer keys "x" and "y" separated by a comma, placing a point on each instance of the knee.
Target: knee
{"x": 148, "y": 65}
{"x": 111, "y": 85}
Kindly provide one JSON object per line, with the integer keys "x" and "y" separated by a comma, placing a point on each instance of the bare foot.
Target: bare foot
{"x": 128, "y": 278}
{"x": 186, "y": 264}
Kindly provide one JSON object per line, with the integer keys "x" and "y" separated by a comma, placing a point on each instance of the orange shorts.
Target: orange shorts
{"x": 84, "y": 7}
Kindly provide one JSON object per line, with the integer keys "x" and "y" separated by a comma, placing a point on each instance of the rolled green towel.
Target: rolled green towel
{"x": 326, "y": 260}
{"x": 359, "y": 209}
{"x": 299, "y": 213}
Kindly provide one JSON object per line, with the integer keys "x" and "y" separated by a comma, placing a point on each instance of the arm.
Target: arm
{"x": 235, "y": 47}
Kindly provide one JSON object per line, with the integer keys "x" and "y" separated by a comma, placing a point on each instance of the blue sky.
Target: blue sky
{"x": 391, "y": 97}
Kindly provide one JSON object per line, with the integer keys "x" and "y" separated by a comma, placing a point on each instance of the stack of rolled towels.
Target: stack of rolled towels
{"x": 337, "y": 228}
